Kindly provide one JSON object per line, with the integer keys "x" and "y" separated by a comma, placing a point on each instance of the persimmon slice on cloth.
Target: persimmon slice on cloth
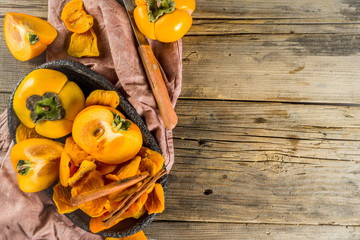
{"x": 75, "y": 18}
{"x": 84, "y": 44}
{"x": 27, "y": 36}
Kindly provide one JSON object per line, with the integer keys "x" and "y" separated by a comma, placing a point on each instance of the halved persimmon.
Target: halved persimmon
{"x": 106, "y": 134}
{"x": 27, "y": 36}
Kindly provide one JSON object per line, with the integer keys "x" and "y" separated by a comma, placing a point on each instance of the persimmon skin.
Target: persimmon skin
{"x": 94, "y": 133}
{"x": 173, "y": 26}
{"x": 169, "y": 27}
{"x": 143, "y": 23}
{"x": 17, "y": 26}
{"x": 40, "y": 81}
{"x": 186, "y": 5}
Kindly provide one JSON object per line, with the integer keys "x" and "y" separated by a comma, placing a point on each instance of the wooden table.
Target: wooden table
{"x": 268, "y": 140}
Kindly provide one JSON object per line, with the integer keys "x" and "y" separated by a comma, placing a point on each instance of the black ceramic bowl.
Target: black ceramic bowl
{"x": 88, "y": 81}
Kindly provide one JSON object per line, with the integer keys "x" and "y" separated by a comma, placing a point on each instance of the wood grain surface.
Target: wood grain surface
{"x": 267, "y": 142}
{"x": 200, "y": 231}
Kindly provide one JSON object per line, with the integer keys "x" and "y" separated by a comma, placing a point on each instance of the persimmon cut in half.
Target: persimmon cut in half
{"x": 27, "y": 36}
{"x": 106, "y": 134}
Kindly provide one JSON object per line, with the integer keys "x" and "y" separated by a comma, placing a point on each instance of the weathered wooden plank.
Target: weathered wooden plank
{"x": 35, "y": 7}
{"x": 294, "y": 68}
{"x": 291, "y": 68}
{"x": 268, "y": 26}
{"x": 218, "y": 231}
{"x": 275, "y": 190}
{"x": 316, "y": 11}
{"x": 249, "y": 156}
{"x": 326, "y": 10}
{"x": 264, "y": 26}
{"x": 257, "y": 131}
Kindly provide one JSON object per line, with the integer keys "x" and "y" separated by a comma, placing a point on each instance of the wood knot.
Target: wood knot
{"x": 208, "y": 191}
{"x": 201, "y": 142}
{"x": 260, "y": 120}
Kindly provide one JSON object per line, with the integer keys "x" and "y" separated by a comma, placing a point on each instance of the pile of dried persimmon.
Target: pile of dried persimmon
{"x": 103, "y": 167}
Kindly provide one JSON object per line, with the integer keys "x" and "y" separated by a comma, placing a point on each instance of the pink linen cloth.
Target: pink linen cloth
{"x": 33, "y": 215}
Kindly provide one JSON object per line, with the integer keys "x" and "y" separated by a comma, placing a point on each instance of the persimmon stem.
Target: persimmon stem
{"x": 45, "y": 107}
{"x": 120, "y": 124}
{"x": 157, "y": 8}
{"x": 24, "y": 167}
{"x": 33, "y": 38}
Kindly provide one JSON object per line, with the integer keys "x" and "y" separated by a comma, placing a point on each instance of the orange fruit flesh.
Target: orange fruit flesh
{"x": 17, "y": 26}
{"x": 93, "y": 132}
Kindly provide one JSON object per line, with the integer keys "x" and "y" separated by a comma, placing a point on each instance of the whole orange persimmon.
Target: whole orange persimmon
{"x": 106, "y": 134}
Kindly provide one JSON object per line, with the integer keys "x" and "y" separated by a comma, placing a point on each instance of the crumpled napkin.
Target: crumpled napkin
{"x": 32, "y": 215}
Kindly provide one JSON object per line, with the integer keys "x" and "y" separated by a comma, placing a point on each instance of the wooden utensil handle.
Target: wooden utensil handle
{"x": 158, "y": 87}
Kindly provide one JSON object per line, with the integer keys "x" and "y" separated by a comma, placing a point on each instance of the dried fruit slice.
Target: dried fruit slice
{"x": 75, "y": 18}
{"x": 92, "y": 180}
{"x": 103, "y": 97}
{"x": 156, "y": 201}
{"x": 61, "y": 199}
{"x": 23, "y": 133}
{"x": 84, "y": 44}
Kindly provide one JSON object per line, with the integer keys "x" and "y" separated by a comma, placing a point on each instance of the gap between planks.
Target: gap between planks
{"x": 258, "y": 223}
{"x": 269, "y": 101}
{"x": 204, "y": 230}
